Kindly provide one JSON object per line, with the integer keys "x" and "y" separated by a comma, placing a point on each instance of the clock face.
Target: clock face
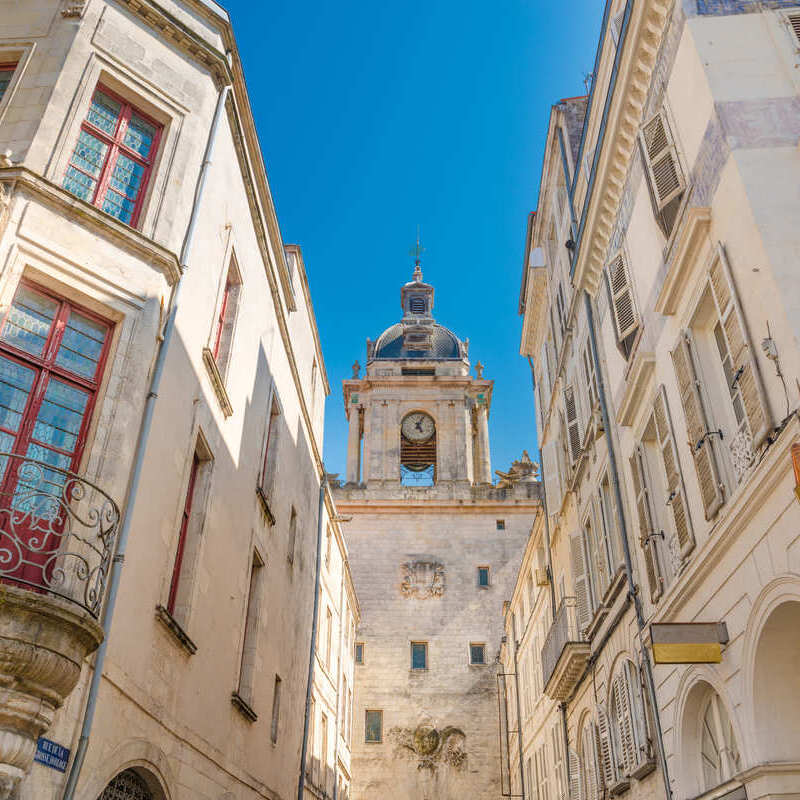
{"x": 418, "y": 427}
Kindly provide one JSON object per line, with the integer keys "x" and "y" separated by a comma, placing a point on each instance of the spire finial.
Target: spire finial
{"x": 417, "y": 252}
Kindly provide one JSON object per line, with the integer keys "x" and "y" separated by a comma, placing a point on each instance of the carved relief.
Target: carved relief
{"x": 430, "y": 747}
{"x": 423, "y": 577}
{"x": 73, "y": 8}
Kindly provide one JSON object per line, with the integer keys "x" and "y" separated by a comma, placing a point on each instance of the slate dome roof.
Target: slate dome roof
{"x": 444, "y": 344}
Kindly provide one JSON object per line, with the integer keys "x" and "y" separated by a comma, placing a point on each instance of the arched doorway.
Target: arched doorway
{"x": 130, "y": 785}
{"x": 776, "y": 685}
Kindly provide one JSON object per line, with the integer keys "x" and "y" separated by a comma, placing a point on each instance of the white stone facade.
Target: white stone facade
{"x": 683, "y": 182}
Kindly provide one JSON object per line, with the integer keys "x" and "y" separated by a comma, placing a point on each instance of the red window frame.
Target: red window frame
{"x": 187, "y": 514}
{"x": 45, "y": 367}
{"x": 223, "y": 309}
{"x": 8, "y": 67}
{"x": 116, "y": 146}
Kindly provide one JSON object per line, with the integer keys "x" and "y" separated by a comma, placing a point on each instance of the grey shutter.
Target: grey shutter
{"x": 663, "y": 170}
{"x": 580, "y": 577}
{"x": 599, "y": 547}
{"x": 647, "y": 530}
{"x": 626, "y": 759}
{"x": 593, "y": 782}
{"x": 573, "y": 423}
{"x": 684, "y": 360}
{"x": 552, "y": 476}
{"x": 575, "y": 777}
{"x": 742, "y": 354}
{"x": 676, "y": 492}
{"x": 793, "y": 20}
{"x": 626, "y": 317}
{"x": 605, "y": 746}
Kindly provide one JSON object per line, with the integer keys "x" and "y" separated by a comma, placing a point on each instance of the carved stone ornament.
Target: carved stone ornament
{"x": 73, "y": 8}
{"x": 430, "y": 747}
{"x": 422, "y": 578}
{"x": 43, "y": 644}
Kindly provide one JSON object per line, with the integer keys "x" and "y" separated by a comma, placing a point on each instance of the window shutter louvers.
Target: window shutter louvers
{"x": 575, "y": 777}
{"x": 591, "y": 764}
{"x": 642, "y": 721}
{"x": 627, "y": 758}
{"x": 744, "y": 363}
{"x": 626, "y": 317}
{"x": 705, "y": 460}
{"x": 580, "y": 576}
{"x": 552, "y": 477}
{"x": 663, "y": 169}
{"x": 794, "y": 25}
{"x": 676, "y": 492}
{"x": 573, "y": 423}
{"x": 605, "y": 748}
{"x": 647, "y": 530}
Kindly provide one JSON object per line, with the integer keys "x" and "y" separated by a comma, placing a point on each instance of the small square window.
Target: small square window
{"x": 359, "y": 653}
{"x": 373, "y": 726}
{"x": 419, "y": 655}
{"x": 501, "y": 524}
{"x": 483, "y": 577}
{"x": 477, "y": 653}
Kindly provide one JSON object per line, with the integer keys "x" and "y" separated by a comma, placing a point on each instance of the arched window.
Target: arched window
{"x": 418, "y": 449}
{"x": 719, "y": 753}
{"x": 590, "y": 762}
{"x": 128, "y": 785}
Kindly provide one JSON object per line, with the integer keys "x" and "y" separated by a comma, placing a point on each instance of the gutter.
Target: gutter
{"x": 139, "y": 454}
{"x": 519, "y": 711}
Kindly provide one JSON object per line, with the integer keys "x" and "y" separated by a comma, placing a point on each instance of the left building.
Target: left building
{"x": 145, "y": 287}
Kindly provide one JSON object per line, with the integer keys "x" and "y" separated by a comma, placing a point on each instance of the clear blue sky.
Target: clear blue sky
{"x": 376, "y": 117}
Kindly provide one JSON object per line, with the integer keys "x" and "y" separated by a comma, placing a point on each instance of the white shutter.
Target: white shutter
{"x": 575, "y": 777}
{"x": 663, "y": 170}
{"x": 684, "y": 360}
{"x": 580, "y": 577}
{"x": 573, "y": 423}
{"x": 591, "y": 378}
{"x": 593, "y": 782}
{"x": 544, "y": 380}
{"x": 744, "y": 366}
{"x": 624, "y": 721}
{"x": 552, "y": 477}
{"x": 626, "y": 316}
{"x": 605, "y": 746}
{"x": 647, "y": 530}
{"x": 793, "y": 21}
{"x": 640, "y": 720}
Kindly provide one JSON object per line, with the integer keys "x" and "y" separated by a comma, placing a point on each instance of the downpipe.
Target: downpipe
{"x": 314, "y": 622}
{"x": 519, "y": 711}
{"x": 139, "y": 454}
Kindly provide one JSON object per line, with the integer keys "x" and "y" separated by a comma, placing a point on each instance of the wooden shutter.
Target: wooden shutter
{"x": 544, "y": 381}
{"x": 624, "y": 721}
{"x": 676, "y": 492}
{"x": 793, "y": 21}
{"x": 593, "y": 783}
{"x": 591, "y": 378}
{"x": 597, "y": 548}
{"x": 573, "y": 423}
{"x": 663, "y": 170}
{"x": 626, "y": 317}
{"x": 641, "y": 720}
{"x": 575, "y": 777}
{"x": 744, "y": 363}
{"x": 647, "y": 530}
{"x": 580, "y": 577}
{"x": 552, "y": 477}
{"x": 697, "y": 425}
{"x": 605, "y": 747}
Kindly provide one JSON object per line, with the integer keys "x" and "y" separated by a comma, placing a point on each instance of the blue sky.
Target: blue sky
{"x": 376, "y": 117}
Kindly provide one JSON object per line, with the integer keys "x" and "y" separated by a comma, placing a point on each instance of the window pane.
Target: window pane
{"x": 5, "y": 79}
{"x": 90, "y": 154}
{"x": 104, "y": 112}
{"x": 477, "y": 654}
{"x": 359, "y": 657}
{"x": 81, "y": 345}
{"x": 418, "y": 656}
{"x": 373, "y": 727}
{"x": 483, "y": 576}
{"x": 59, "y": 420}
{"x": 15, "y": 386}
{"x": 29, "y": 321}
{"x": 118, "y": 206}
{"x": 139, "y": 135}
{"x": 126, "y": 179}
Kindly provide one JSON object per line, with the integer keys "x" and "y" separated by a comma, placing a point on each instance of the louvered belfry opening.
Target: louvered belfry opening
{"x": 418, "y": 456}
{"x": 417, "y": 305}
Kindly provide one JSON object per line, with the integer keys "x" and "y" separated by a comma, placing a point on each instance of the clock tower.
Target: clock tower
{"x": 434, "y": 547}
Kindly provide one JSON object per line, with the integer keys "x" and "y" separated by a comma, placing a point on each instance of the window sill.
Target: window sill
{"x": 265, "y": 505}
{"x": 217, "y": 382}
{"x": 243, "y": 707}
{"x": 644, "y": 768}
{"x": 621, "y": 786}
{"x": 172, "y": 625}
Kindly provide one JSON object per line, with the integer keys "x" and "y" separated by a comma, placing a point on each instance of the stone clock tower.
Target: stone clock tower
{"x": 434, "y": 548}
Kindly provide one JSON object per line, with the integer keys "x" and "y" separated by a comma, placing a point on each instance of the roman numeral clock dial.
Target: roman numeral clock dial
{"x": 418, "y": 427}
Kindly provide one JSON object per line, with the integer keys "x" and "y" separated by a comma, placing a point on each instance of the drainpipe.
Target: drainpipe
{"x": 339, "y": 692}
{"x": 519, "y": 710}
{"x": 314, "y": 622}
{"x": 138, "y": 460}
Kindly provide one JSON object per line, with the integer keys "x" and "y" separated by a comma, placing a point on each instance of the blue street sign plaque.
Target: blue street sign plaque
{"x": 51, "y": 754}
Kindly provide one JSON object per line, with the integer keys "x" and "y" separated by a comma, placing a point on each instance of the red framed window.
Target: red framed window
{"x": 225, "y": 312}
{"x": 187, "y": 514}
{"x": 111, "y": 164}
{"x": 6, "y": 74}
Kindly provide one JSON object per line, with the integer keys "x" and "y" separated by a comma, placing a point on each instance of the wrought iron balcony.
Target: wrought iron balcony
{"x": 57, "y": 531}
{"x": 565, "y": 652}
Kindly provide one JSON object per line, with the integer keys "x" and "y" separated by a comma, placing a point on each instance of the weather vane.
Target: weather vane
{"x": 417, "y": 252}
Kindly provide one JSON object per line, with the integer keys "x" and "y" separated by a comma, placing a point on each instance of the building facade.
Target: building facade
{"x": 434, "y": 548}
{"x": 146, "y": 288}
{"x": 659, "y": 311}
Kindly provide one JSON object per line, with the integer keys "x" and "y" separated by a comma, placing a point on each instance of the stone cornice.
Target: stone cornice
{"x": 92, "y": 218}
{"x": 646, "y": 29}
{"x": 641, "y": 374}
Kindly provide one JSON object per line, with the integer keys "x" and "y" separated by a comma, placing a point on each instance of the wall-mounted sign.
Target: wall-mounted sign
{"x": 688, "y": 642}
{"x": 51, "y": 754}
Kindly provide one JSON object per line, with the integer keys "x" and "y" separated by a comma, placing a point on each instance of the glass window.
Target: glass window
{"x": 477, "y": 653}
{"x": 359, "y": 653}
{"x": 373, "y": 726}
{"x": 718, "y": 750}
{"x": 501, "y": 524}
{"x": 111, "y": 163}
{"x": 483, "y": 577}
{"x": 419, "y": 655}
{"x": 6, "y": 74}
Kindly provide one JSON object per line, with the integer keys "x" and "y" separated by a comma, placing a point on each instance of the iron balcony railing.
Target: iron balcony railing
{"x": 57, "y": 531}
{"x": 563, "y": 631}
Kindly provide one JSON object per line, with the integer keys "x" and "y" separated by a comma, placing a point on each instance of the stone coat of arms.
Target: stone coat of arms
{"x": 422, "y": 578}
